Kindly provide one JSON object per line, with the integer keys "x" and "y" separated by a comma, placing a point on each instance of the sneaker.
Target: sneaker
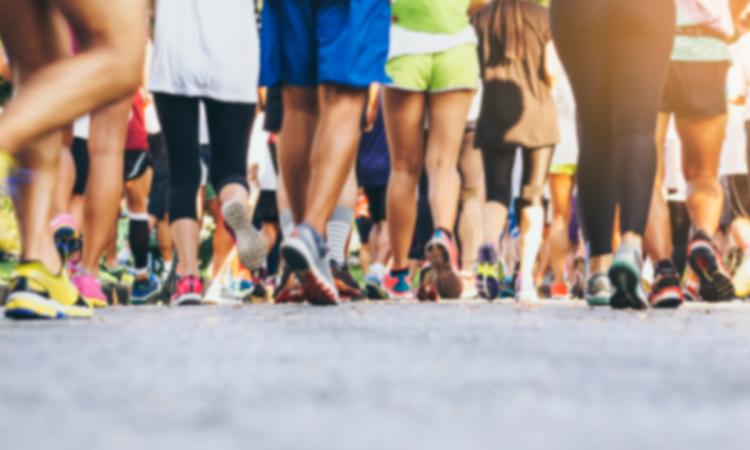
{"x": 692, "y": 286}
{"x": 427, "y": 290}
{"x": 666, "y": 291}
{"x": 288, "y": 289}
{"x": 625, "y": 277}
{"x": 443, "y": 258}
{"x": 66, "y": 235}
{"x": 374, "y": 288}
{"x": 305, "y": 253}
{"x": 116, "y": 283}
{"x": 486, "y": 273}
{"x": 145, "y": 290}
{"x": 345, "y": 282}
{"x": 35, "y": 293}
{"x": 598, "y": 290}
{"x": 91, "y": 289}
{"x": 251, "y": 247}
{"x": 397, "y": 285}
{"x": 189, "y": 291}
{"x": 715, "y": 282}
{"x": 742, "y": 279}
{"x": 525, "y": 289}
{"x": 560, "y": 291}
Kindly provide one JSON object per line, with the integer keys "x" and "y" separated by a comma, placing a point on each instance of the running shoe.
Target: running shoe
{"x": 374, "y": 288}
{"x": 145, "y": 290}
{"x": 715, "y": 282}
{"x": 38, "y": 294}
{"x": 560, "y": 291}
{"x": 742, "y": 278}
{"x": 397, "y": 285}
{"x": 288, "y": 289}
{"x": 598, "y": 290}
{"x": 251, "y": 247}
{"x": 427, "y": 290}
{"x": 692, "y": 286}
{"x": 443, "y": 258}
{"x": 345, "y": 282}
{"x": 90, "y": 288}
{"x": 305, "y": 252}
{"x": 189, "y": 291}
{"x": 526, "y": 290}
{"x": 66, "y": 235}
{"x": 487, "y": 279}
{"x": 666, "y": 291}
{"x": 625, "y": 277}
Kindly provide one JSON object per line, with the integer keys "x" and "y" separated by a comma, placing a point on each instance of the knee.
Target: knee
{"x": 441, "y": 162}
{"x": 411, "y": 167}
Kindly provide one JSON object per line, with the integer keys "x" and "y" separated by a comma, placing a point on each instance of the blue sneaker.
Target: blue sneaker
{"x": 306, "y": 253}
{"x": 145, "y": 291}
{"x": 397, "y": 285}
{"x": 486, "y": 274}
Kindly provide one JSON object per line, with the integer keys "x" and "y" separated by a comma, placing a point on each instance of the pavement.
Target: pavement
{"x": 453, "y": 375}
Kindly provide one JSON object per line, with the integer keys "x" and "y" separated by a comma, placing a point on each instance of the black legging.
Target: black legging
{"x": 616, "y": 54}
{"x": 229, "y": 126}
{"x": 498, "y": 174}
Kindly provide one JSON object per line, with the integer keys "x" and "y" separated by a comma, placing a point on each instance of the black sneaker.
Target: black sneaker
{"x": 666, "y": 291}
{"x": 715, "y": 282}
{"x": 345, "y": 282}
{"x": 305, "y": 253}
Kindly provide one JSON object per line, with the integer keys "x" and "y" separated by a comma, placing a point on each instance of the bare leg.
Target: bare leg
{"x": 658, "y": 234}
{"x": 404, "y": 120}
{"x": 447, "y": 112}
{"x": 561, "y": 188}
{"x": 297, "y": 132}
{"x": 470, "y": 222}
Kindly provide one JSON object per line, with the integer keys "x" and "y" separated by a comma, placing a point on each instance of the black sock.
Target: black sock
{"x": 399, "y": 272}
{"x": 665, "y": 265}
{"x": 450, "y": 235}
{"x": 139, "y": 236}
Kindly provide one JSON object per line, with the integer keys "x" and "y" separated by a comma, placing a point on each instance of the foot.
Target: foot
{"x": 288, "y": 289}
{"x": 742, "y": 279}
{"x": 91, "y": 289}
{"x": 598, "y": 290}
{"x": 560, "y": 291}
{"x": 145, "y": 290}
{"x": 305, "y": 253}
{"x": 526, "y": 290}
{"x": 397, "y": 285}
{"x": 625, "y": 277}
{"x": 374, "y": 288}
{"x": 250, "y": 245}
{"x": 427, "y": 290}
{"x": 666, "y": 291}
{"x": 189, "y": 291}
{"x": 345, "y": 282}
{"x": 486, "y": 273}
{"x": 443, "y": 258}
{"x": 715, "y": 282}
{"x": 38, "y": 294}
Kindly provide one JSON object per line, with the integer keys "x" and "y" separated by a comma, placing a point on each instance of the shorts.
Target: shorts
{"x": 308, "y": 43}
{"x": 157, "y": 198}
{"x": 563, "y": 169}
{"x": 696, "y": 88}
{"x": 364, "y": 227}
{"x": 451, "y": 70}
{"x": 137, "y": 162}
{"x": 376, "y": 197}
{"x": 737, "y": 194}
{"x": 266, "y": 211}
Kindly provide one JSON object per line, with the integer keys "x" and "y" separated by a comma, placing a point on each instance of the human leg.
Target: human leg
{"x": 472, "y": 194}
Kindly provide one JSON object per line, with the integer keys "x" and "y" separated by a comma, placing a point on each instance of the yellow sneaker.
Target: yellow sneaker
{"x": 742, "y": 279}
{"x": 37, "y": 294}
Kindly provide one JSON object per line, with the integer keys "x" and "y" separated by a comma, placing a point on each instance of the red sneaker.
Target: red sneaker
{"x": 189, "y": 291}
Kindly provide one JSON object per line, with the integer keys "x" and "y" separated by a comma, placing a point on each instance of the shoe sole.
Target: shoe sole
{"x": 670, "y": 298}
{"x": 625, "y": 279}
{"x": 29, "y": 306}
{"x": 446, "y": 281}
{"x": 715, "y": 285}
{"x": 373, "y": 291}
{"x": 251, "y": 248}
{"x": 189, "y": 300}
{"x": 317, "y": 289}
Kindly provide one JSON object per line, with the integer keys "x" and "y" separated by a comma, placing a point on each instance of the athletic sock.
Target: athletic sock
{"x": 139, "y": 237}
{"x": 665, "y": 265}
{"x": 399, "y": 272}
{"x": 447, "y": 232}
{"x": 287, "y": 223}
{"x": 338, "y": 228}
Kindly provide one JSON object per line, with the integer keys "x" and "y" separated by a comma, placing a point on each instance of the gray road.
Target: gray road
{"x": 379, "y": 376}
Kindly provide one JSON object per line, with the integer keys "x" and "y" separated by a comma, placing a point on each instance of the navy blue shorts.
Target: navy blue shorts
{"x": 313, "y": 42}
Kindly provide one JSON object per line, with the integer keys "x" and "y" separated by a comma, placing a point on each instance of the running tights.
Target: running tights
{"x": 229, "y": 126}
{"x": 616, "y": 54}
{"x": 498, "y": 170}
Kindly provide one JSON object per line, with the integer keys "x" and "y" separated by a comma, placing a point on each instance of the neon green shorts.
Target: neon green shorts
{"x": 451, "y": 70}
{"x": 563, "y": 169}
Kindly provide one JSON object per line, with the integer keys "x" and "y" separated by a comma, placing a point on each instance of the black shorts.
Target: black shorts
{"x": 157, "y": 198}
{"x": 696, "y": 88}
{"x": 266, "y": 211}
{"x": 376, "y": 198}
{"x": 137, "y": 162}
{"x": 364, "y": 227}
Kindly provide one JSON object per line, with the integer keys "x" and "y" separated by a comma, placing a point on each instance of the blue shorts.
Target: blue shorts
{"x": 313, "y": 42}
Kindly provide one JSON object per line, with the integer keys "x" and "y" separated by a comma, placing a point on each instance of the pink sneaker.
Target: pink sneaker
{"x": 90, "y": 288}
{"x": 189, "y": 291}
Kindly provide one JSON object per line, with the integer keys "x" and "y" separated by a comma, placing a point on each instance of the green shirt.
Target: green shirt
{"x": 423, "y": 15}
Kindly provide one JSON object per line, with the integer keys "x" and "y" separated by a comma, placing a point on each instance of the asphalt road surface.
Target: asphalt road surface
{"x": 459, "y": 375}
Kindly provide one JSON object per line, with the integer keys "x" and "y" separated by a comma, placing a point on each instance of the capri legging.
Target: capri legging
{"x": 229, "y": 126}
{"x": 616, "y": 54}
{"x": 498, "y": 174}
